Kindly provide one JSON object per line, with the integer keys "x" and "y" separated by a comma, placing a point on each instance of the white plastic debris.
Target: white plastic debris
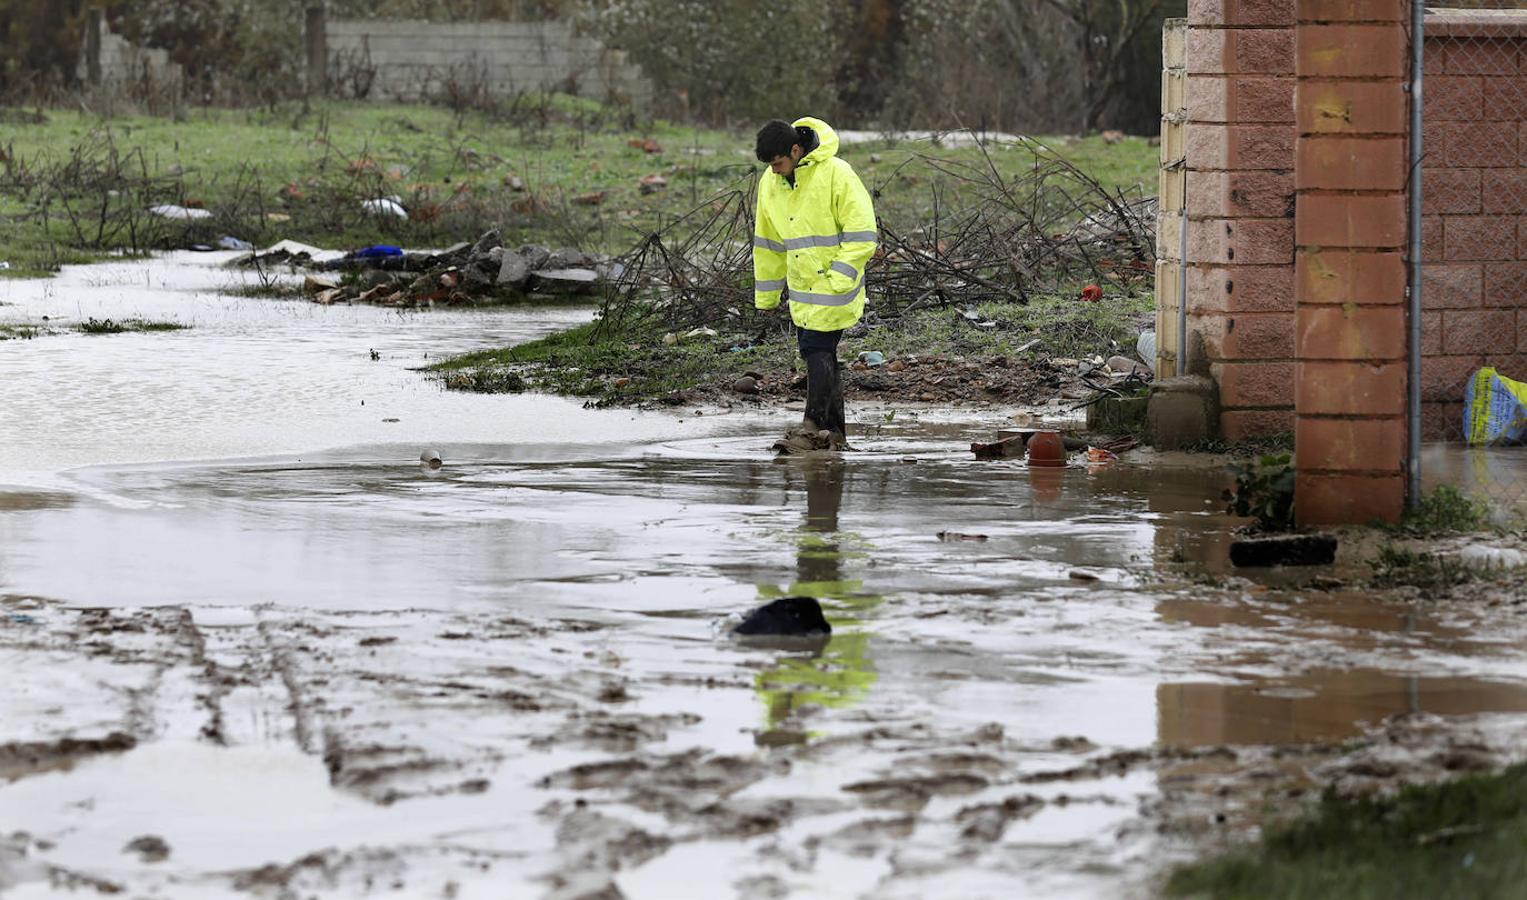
{"x": 229, "y": 242}
{"x": 385, "y": 206}
{"x": 179, "y": 213}
{"x": 1145, "y": 346}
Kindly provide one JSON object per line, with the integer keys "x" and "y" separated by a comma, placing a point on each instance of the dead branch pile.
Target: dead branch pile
{"x": 1048, "y": 230}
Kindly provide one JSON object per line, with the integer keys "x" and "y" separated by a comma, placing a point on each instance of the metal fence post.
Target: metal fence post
{"x": 1413, "y": 289}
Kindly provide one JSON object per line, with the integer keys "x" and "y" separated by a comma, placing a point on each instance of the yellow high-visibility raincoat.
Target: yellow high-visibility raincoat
{"x": 814, "y": 238}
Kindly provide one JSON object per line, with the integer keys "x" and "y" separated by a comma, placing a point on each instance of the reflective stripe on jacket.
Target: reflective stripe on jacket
{"x": 814, "y": 238}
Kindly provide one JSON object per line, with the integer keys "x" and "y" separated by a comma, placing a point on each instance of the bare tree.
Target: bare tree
{"x": 1105, "y": 32}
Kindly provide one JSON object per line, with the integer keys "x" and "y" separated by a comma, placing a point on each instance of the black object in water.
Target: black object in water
{"x": 1284, "y": 550}
{"x": 786, "y": 617}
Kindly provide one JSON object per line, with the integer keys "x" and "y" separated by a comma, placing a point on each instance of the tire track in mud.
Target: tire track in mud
{"x": 214, "y": 681}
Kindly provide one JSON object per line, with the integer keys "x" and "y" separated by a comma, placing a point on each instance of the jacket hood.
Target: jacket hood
{"x": 827, "y": 146}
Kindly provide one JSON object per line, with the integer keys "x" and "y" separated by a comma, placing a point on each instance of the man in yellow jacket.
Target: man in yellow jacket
{"x": 813, "y": 234}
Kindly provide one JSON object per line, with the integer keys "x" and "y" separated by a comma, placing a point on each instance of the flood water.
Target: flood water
{"x": 341, "y": 673}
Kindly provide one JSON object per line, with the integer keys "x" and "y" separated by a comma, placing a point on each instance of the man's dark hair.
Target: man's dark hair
{"x": 775, "y": 139}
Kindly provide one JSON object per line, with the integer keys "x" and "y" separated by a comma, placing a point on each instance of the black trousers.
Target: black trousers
{"x": 824, "y": 380}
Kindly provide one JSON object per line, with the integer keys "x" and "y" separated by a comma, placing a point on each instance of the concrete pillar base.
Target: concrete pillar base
{"x": 1183, "y": 412}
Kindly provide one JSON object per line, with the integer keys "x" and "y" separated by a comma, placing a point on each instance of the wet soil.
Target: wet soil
{"x": 916, "y": 379}
{"x": 296, "y": 663}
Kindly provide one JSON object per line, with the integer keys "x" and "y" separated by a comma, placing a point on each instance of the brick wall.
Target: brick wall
{"x": 1240, "y": 190}
{"x": 411, "y": 58}
{"x": 1474, "y": 280}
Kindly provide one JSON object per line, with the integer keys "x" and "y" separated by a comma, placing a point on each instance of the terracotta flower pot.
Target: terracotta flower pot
{"x": 1046, "y": 449}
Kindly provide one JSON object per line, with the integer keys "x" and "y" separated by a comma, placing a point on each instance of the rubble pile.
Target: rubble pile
{"x": 482, "y": 272}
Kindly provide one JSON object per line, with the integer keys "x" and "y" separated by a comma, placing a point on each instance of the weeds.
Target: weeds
{"x": 21, "y": 332}
{"x": 1400, "y": 567}
{"x": 93, "y": 325}
{"x": 1459, "y": 839}
{"x": 1263, "y": 491}
{"x": 1445, "y": 510}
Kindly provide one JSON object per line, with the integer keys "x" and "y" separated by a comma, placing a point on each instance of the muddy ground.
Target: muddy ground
{"x": 254, "y": 649}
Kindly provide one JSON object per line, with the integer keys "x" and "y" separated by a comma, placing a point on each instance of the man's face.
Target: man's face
{"x": 783, "y": 166}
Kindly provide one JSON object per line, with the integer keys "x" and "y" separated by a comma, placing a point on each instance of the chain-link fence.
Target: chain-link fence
{"x": 1473, "y": 236}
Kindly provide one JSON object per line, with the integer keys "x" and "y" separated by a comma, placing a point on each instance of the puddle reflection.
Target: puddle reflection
{"x": 841, "y": 672}
{"x": 1322, "y": 705}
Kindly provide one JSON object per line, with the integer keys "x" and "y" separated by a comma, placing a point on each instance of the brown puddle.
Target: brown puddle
{"x": 1320, "y": 706}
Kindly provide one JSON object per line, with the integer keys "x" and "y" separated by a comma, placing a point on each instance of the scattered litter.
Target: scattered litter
{"x": 229, "y": 242}
{"x": 1493, "y": 557}
{"x": 1046, "y": 449}
{"x": 21, "y": 619}
{"x": 1005, "y": 448}
{"x": 392, "y": 420}
{"x": 1123, "y": 366}
{"x": 1092, "y": 293}
{"x": 377, "y": 251}
{"x": 957, "y": 536}
{"x": 386, "y": 206}
{"x": 431, "y": 459}
{"x": 1099, "y": 455}
{"x": 179, "y": 213}
{"x": 872, "y": 358}
{"x": 1494, "y": 409}
{"x": 976, "y": 319}
{"x": 1145, "y": 347}
{"x": 1079, "y": 575}
{"x": 4, "y": 265}
{"x": 647, "y": 145}
{"x": 292, "y": 252}
{"x": 651, "y": 184}
{"x": 1026, "y": 346}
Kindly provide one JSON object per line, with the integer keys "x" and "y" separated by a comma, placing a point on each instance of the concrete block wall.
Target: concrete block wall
{"x": 1172, "y": 193}
{"x": 1240, "y": 198}
{"x": 412, "y": 58}
{"x": 124, "y": 61}
{"x": 1474, "y": 281}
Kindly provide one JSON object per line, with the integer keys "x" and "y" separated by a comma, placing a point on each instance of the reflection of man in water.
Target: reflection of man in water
{"x": 840, "y": 673}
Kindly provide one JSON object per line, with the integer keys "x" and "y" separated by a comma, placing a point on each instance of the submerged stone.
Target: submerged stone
{"x": 786, "y": 617}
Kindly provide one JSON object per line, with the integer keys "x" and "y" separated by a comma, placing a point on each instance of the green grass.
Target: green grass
{"x": 570, "y": 362}
{"x": 1461, "y": 839}
{"x": 573, "y": 362}
{"x": 236, "y": 162}
{"x": 1401, "y": 567}
{"x": 114, "y": 326}
{"x": 22, "y": 332}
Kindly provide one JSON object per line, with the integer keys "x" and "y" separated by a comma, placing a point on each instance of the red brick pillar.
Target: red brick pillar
{"x": 1240, "y": 189}
{"x": 1350, "y": 268}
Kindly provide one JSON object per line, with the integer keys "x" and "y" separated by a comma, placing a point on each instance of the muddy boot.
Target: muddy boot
{"x": 836, "y": 440}
{"x": 803, "y": 438}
